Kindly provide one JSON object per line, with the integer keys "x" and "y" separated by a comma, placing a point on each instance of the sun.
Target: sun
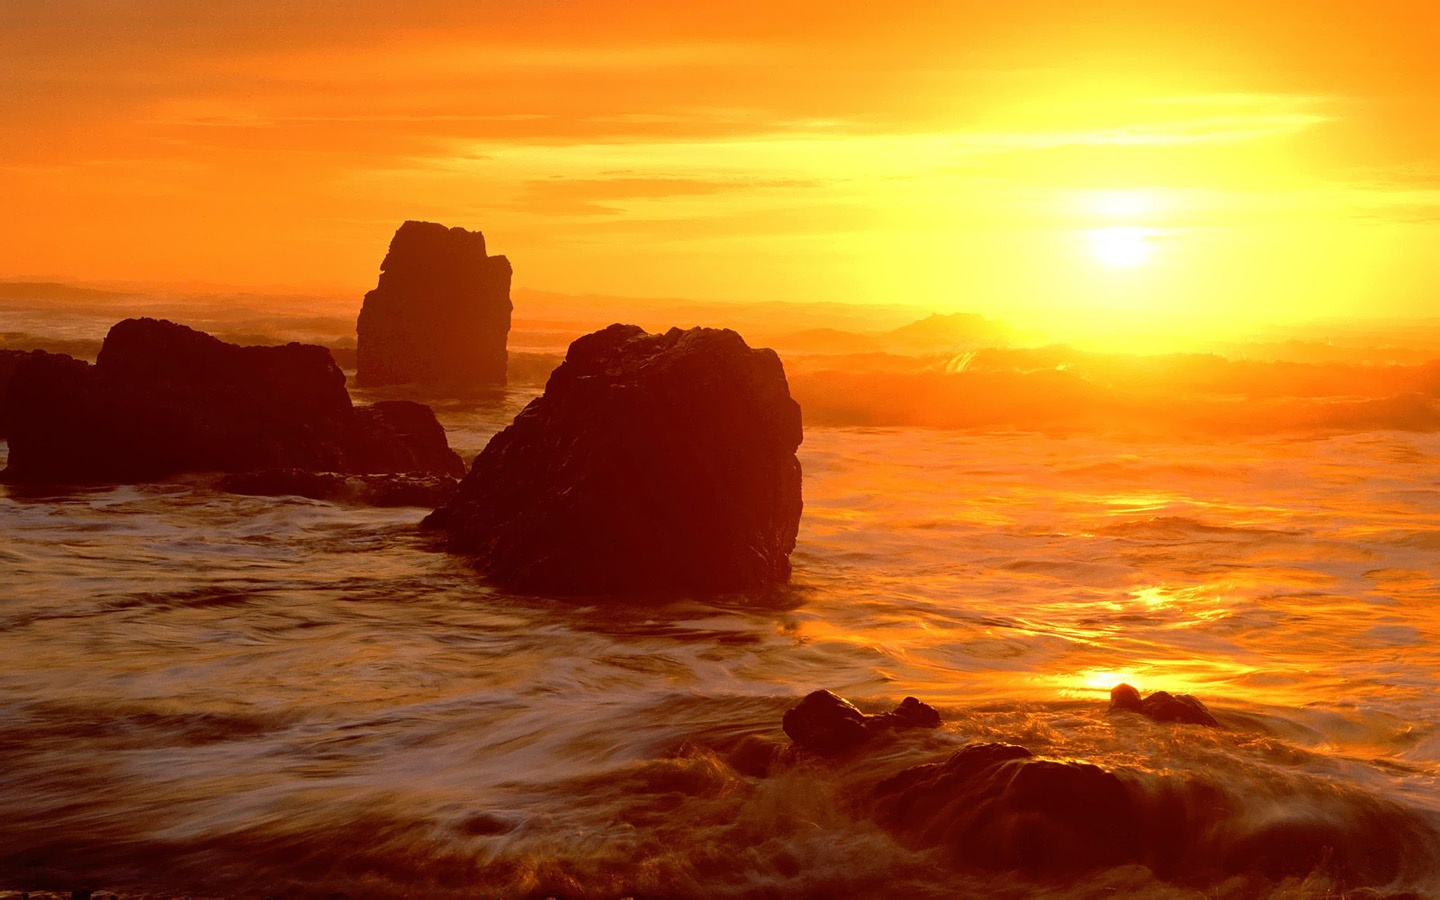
{"x": 1121, "y": 247}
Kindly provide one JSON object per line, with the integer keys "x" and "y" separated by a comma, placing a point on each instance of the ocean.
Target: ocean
{"x": 209, "y": 694}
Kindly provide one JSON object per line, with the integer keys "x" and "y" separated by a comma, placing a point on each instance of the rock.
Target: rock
{"x": 1000, "y": 807}
{"x": 1162, "y": 706}
{"x": 9, "y": 360}
{"x": 163, "y": 399}
{"x": 828, "y": 725}
{"x": 439, "y": 315}
{"x": 400, "y": 436}
{"x": 996, "y": 806}
{"x": 911, "y": 713}
{"x": 652, "y": 463}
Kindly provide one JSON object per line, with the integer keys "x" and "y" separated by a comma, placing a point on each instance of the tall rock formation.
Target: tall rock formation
{"x": 440, "y": 314}
{"x": 163, "y": 399}
{"x": 653, "y": 462}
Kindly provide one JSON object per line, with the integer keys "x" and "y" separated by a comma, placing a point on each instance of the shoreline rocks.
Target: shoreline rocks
{"x": 163, "y": 399}
{"x": 652, "y": 463}
{"x": 439, "y": 315}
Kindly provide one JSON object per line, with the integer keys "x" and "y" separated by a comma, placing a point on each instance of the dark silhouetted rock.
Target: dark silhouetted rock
{"x": 9, "y": 360}
{"x": 163, "y": 399}
{"x": 829, "y": 725}
{"x": 439, "y": 315}
{"x": 1162, "y": 706}
{"x": 826, "y": 724}
{"x": 911, "y": 713}
{"x": 653, "y": 462}
{"x": 400, "y": 436}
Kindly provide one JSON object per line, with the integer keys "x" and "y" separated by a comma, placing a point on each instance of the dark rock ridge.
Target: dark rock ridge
{"x": 998, "y": 806}
{"x": 653, "y": 462}
{"x": 427, "y": 490}
{"x": 828, "y": 725}
{"x": 162, "y": 399}
{"x": 439, "y": 315}
{"x": 1162, "y": 706}
{"x": 9, "y": 361}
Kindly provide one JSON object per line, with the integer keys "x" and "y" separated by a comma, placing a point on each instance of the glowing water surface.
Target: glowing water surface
{"x": 208, "y": 692}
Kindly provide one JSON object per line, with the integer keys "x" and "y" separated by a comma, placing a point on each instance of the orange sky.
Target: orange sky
{"x": 1078, "y": 164}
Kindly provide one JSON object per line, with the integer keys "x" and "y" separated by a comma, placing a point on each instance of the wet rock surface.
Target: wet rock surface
{"x": 1162, "y": 706}
{"x": 163, "y": 399}
{"x": 439, "y": 316}
{"x": 829, "y": 725}
{"x": 999, "y": 806}
{"x": 652, "y": 463}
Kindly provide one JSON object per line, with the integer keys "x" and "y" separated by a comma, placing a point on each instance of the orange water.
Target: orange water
{"x": 203, "y": 692}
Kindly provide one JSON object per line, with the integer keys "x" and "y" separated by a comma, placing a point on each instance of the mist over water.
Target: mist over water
{"x": 213, "y": 694}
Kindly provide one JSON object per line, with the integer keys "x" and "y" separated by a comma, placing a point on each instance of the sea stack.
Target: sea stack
{"x": 439, "y": 316}
{"x": 162, "y": 399}
{"x": 652, "y": 463}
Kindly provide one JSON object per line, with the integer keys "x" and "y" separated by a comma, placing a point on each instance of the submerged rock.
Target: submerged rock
{"x": 163, "y": 399}
{"x": 829, "y": 725}
{"x": 653, "y": 462}
{"x": 1000, "y": 807}
{"x": 1162, "y": 706}
{"x": 439, "y": 315}
{"x": 997, "y": 806}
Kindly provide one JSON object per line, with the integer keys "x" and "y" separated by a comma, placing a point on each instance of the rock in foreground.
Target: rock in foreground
{"x": 653, "y": 462}
{"x": 439, "y": 315}
{"x": 998, "y": 806}
{"x": 163, "y": 399}
{"x": 829, "y": 725}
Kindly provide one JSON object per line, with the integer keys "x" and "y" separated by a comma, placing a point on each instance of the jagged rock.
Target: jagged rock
{"x": 9, "y": 360}
{"x": 427, "y": 490}
{"x": 1162, "y": 706}
{"x": 829, "y": 725}
{"x": 653, "y": 462}
{"x": 439, "y": 315}
{"x": 163, "y": 399}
